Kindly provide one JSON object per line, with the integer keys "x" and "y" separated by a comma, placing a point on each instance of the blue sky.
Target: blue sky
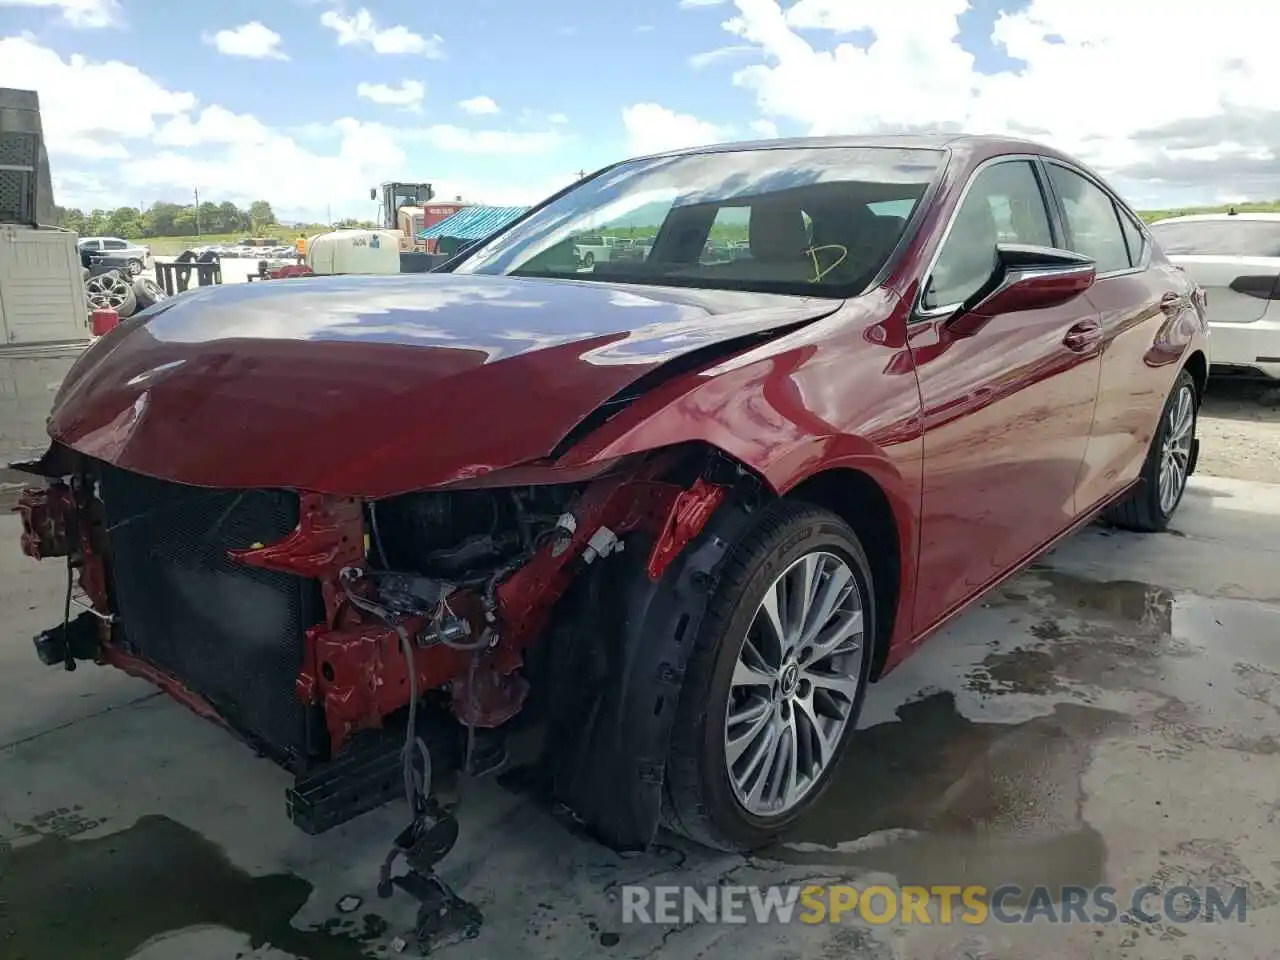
{"x": 564, "y": 56}
{"x": 562, "y": 74}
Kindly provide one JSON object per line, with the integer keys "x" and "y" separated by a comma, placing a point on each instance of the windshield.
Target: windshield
{"x": 1228, "y": 237}
{"x": 814, "y": 220}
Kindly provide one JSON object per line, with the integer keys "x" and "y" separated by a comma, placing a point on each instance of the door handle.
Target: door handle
{"x": 1083, "y": 335}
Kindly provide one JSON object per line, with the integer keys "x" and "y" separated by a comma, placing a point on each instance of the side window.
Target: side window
{"x": 1091, "y": 220}
{"x": 1004, "y": 205}
{"x": 727, "y": 239}
{"x": 1133, "y": 239}
{"x": 114, "y": 244}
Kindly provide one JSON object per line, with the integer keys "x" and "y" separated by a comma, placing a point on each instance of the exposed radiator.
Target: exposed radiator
{"x": 229, "y": 632}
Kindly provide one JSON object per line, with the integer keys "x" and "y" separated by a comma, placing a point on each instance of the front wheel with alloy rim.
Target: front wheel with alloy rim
{"x": 775, "y": 680}
{"x": 1170, "y": 460}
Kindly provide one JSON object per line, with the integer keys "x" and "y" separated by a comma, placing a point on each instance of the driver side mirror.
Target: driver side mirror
{"x": 1026, "y": 277}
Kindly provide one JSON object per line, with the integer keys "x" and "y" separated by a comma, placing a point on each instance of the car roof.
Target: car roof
{"x": 976, "y": 146}
{"x": 1200, "y": 217}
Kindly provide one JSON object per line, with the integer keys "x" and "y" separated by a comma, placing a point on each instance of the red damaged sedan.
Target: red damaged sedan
{"x": 675, "y": 512}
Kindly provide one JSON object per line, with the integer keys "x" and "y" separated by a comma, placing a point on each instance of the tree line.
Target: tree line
{"x": 175, "y": 220}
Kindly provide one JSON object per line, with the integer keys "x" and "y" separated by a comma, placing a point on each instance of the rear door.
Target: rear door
{"x": 1008, "y": 407}
{"x": 1136, "y": 295}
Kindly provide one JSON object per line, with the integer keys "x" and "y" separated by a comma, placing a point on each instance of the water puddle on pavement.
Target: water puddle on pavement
{"x": 939, "y": 798}
{"x": 943, "y": 796}
{"x": 102, "y": 898}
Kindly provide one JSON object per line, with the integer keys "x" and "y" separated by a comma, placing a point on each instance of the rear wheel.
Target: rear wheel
{"x": 135, "y": 267}
{"x": 1170, "y": 459}
{"x": 775, "y": 682}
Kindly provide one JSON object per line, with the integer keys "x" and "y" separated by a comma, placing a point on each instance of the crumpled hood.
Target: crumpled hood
{"x": 371, "y": 386}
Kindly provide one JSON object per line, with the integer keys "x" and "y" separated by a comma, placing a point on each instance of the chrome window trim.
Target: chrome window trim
{"x": 1121, "y": 208}
{"x": 919, "y": 311}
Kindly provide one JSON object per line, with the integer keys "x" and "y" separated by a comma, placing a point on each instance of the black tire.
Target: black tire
{"x": 700, "y": 799}
{"x": 135, "y": 267}
{"x": 589, "y": 260}
{"x": 1141, "y": 510}
{"x": 147, "y": 292}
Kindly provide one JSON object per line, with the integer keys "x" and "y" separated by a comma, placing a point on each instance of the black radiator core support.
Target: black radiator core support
{"x": 231, "y": 633}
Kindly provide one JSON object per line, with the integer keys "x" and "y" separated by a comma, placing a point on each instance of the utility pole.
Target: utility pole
{"x": 582, "y": 174}
{"x": 197, "y": 189}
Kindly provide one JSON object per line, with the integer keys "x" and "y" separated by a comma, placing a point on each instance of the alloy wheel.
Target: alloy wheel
{"x": 1175, "y": 455}
{"x": 795, "y": 682}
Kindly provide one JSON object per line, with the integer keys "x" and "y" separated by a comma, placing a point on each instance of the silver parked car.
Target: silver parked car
{"x": 135, "y": 255}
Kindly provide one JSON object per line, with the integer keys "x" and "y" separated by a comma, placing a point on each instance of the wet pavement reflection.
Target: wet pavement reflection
{"x": 1066, "y": 731}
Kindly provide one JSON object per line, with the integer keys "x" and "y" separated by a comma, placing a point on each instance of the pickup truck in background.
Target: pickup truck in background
{"x": 134, "y": 255}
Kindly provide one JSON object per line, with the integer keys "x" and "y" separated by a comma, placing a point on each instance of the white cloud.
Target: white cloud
{"x": 478, "y": 106}
{"x": 76, "y": 124}
{"x": 700, "y": 60}
{"x": 213, "y": 125}
{"x": 839, "y": 16}
{"x": 407, "y": 95}
{"x": 446, "y": 136}
{"x": 82, "y": 14}
{"x": 252, "y": 40}
{"x": 1078, "y": 87}
{"x": 764, "y": 128}
{"x": 652, "y": 128}
{"x": 557, "y": 118}
{"x": 360, "y": 29}
{"x": 174, "y": 144}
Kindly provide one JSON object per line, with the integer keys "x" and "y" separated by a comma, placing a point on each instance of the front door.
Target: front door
{"x": 1007, "y": 407}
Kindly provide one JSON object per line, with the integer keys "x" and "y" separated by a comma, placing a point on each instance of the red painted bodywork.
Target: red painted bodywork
{"x": 989, "y": 439}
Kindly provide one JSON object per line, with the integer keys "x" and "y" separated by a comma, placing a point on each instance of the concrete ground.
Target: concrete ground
{"x": 1111, "y": 716}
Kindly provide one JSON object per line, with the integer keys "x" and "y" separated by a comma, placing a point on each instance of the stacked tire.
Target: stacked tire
{"x": 126, "y": 295}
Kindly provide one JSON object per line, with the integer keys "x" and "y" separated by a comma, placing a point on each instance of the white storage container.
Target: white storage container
{"x": 355, "y": 251}
{"x": 41, "y": 286}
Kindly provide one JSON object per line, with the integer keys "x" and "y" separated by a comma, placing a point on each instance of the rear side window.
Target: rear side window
{"x": 1228, "y": 237}
{"x": 114, "y": 244}
{"x": 1133, "y": 239}
{"x": 1092, "y": 221}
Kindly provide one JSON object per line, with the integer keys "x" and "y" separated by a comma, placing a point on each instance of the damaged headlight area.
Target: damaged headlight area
{"x": 366, "y": 645}
{"x": 324, "y": 629}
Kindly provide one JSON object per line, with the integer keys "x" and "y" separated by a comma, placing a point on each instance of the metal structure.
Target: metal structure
{"x": 467, "y": 226}
{"x": 402, "y": 208}
{"x": 26, "y": 188}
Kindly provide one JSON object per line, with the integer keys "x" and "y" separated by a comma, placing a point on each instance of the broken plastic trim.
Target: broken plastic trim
{"x": 609, "y": 763}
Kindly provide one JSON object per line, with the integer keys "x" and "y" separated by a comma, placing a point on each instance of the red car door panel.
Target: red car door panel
{"x": 1008, "y": 408}
{"x": 1138, "y": 299}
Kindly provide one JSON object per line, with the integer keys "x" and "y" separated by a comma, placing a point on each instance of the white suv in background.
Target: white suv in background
{"x": 1235, "y": 257}
{"x": 114, "y": 247}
